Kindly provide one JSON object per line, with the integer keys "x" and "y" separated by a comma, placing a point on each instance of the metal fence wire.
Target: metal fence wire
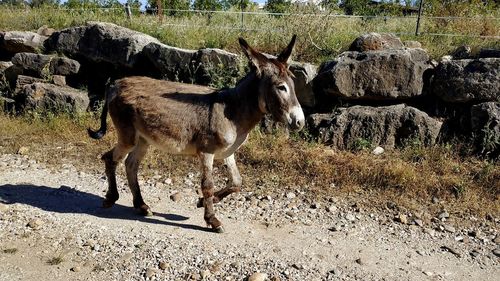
{"x": 487, "y": 27}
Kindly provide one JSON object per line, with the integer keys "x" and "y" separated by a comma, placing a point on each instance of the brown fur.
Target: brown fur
{"x": 195, "y": 120}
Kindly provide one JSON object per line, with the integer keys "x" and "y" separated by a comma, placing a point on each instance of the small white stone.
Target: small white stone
{"x": 257, "y": 276}
{"x": 378, "y": 150}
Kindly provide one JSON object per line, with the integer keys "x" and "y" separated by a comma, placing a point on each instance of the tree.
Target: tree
{"x": 207, "y": 5}
{"x": 277, "y": 6}
{"x": 170, "y": 6}
{"x": 239, "y": 4}
{"x": 39, "y": 3}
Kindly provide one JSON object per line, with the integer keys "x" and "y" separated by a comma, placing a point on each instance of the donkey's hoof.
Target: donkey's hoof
{"x": 219, "y": 229}
{"x": 144, "y": 210}
{"x": 106, "y": 203}
{"x": 200, "y": 203}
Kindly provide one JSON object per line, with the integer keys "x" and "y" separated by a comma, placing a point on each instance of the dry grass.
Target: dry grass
{"x": 276, "y": 163}
{"x": 320, "y": 36}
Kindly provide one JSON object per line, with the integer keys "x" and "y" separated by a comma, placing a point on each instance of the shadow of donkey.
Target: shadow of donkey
{"x": 69, "y": 200}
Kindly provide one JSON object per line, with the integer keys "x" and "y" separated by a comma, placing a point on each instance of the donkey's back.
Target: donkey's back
{"x": 174, "y": 117}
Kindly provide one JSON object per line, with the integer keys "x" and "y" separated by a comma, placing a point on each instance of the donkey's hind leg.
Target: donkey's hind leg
{"x": 132, "y": 166}
{"x": 111, "y": 160}
{"x": 234, "y": 184}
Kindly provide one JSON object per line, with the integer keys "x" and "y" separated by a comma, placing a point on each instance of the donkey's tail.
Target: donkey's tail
{"x": 104, "y": 114}
{"x": 102, "y": 131}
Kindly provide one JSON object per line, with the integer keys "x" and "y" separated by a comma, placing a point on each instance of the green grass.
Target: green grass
{"x": 320, "y": 37}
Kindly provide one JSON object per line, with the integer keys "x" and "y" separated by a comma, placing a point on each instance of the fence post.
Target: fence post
{"x": 418, "y": 18}
{"x": 241, "y": 9}
{"x": 159, "y": 10}
{"x": 127, "y": 11}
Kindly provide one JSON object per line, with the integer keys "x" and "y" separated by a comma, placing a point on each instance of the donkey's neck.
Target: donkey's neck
{"x": 242, "y": 103}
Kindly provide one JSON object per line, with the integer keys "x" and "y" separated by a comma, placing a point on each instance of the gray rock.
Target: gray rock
{"x": 101, "y": 42}
{"x": 350, "y": 217}
{"x": 59, "y": 80}
{"x": 376, "y": 41}
{"x": 163, "y": 265}
{"x": 23, "y": 80}
{"x": 387, "y": 126}
{"x": 76, "y": 269}
{"x": 412, "y": 44}
{"x": 45, "y": 65}
{"x": 485, "y": 125}
{"x": 496, "y": 252}
{"x": 290, "y": 195}
{"x": 176, "y": 197}
{"x": 378, "y": 150}
{"x": 304, "y": 74}
{"x": 44, "y": 97}
{"x": 462, "y": 52}
{"x": 449, "y": 228}
{"x": 443, "y": 215}
{"x": 171, "y": 62}
{"x": 150, "y": 272}
{"x": 257, "y": 276}
{"x": 35, "y": 223}
{"x": 402, "y": 218}
{"x": 461, "y": 81}
{"x": 45, "y": 31}
{"x": 22, "y": 41}
{"x": 375, "y": 75}
{"x": 209, "y": 65}
{"x": 489, "y": 53}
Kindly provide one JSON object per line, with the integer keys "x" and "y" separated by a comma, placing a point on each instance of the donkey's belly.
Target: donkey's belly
{"x": 171, "y": 145}
{"x": 230, "y": 149}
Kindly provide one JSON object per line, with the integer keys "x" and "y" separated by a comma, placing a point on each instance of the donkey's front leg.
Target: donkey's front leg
{"x": 234, "y": 184}
{"x": 207, "y": 188}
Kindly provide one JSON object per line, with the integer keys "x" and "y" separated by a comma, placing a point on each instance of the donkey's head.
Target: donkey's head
{"x": 276, "y": 91}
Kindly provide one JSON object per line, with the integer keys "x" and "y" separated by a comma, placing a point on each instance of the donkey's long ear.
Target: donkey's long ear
{"x": 285, "y": 54}
{"x": 257, "y": 59}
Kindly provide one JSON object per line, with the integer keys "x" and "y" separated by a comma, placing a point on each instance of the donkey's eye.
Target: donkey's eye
{"x": 282, "y": 88}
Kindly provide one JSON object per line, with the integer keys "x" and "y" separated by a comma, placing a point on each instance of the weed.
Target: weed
{"x": 55, "y": 260}
{"x": 361, "y": 144}
{"x": 10, "y": 251}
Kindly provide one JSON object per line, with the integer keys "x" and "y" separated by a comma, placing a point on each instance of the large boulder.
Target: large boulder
{"x": 4, "y": 83}
{"x": 304, "y": 74}
{"x": 460, "y": 81}
{"x": 42, "y": 97}
{"x": 489, "y": 53}
{"x": 214, "y": 66}
{"x": 374, "y": 75}
{"x": 172, "y": 63}
{"x": 21, "y": 41}
{"x": 387, "y": 126}
{"x": 485, "y": 125}
{"x": 101, "y": 42}
{"x": 376, "y": 42}
{"x": 45, "y": 65}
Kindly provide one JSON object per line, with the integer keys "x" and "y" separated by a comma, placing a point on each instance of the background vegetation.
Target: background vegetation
{"x": 276, "y": 161}
{"x": 323, "y": 31}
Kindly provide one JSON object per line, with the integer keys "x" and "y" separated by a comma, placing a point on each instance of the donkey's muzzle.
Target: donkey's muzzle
{"x": 296, "y": 119}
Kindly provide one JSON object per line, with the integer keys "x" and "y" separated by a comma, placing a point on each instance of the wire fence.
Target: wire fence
{"x": 252, "y": 20}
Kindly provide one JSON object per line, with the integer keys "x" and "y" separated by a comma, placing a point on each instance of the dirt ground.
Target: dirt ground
{"x": 53, "y": 228}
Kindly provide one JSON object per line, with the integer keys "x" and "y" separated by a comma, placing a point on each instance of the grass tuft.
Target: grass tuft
{"x": 10, "y": 251}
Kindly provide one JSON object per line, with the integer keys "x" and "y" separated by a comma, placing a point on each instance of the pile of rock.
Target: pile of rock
{"x": 394, "y": 92}
{"x": 382, "y": 91}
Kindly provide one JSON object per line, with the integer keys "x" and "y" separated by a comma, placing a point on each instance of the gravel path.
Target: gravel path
{"x": 52, "y": 228}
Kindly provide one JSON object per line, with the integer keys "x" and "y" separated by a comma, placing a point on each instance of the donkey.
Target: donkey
{"x": 195, "y": 120}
